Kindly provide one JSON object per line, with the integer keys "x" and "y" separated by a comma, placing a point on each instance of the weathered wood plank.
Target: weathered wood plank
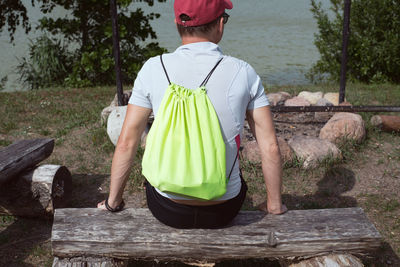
{"x": 36, "y": 192}
{"x": 135, "y": 233}
{"x": 88, "y": 262}
{"x": 23, "y": 154}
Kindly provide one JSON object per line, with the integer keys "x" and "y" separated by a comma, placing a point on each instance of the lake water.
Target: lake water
{"x": 275, "y": 36}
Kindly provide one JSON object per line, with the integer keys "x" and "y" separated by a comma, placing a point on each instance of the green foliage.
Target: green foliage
{"x": 374, "y": 44}
{"x": 90, "y": 28}
{"x": 48, "y": 64}
{"x": 12, "y": 14}
{"x": 3, "y": 82}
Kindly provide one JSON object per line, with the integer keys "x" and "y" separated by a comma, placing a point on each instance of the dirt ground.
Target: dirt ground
{"x": 368, "y": 177}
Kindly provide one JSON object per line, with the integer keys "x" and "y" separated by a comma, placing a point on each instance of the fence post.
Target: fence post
{"x": 117, "y": 59}
{"x": 345, "y": 42}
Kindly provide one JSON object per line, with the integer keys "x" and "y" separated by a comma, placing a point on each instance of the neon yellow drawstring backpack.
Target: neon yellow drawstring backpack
{"x": 185, "y": 151}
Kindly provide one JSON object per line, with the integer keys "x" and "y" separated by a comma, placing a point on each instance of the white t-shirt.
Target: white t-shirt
{"x": 233, "y": 88}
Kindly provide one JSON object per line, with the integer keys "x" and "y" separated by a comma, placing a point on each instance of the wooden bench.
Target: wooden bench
{"x": 27, "y": 189}
{"x": 21, "y": 155}
{"x": 94, "y": 237}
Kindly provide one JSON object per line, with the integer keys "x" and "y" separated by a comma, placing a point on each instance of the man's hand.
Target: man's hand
{"x": 280, "y": 209}
{"x": 102, "y": 205}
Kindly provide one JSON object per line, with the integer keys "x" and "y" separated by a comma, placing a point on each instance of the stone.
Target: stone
{"x": 144, "y": 135}
{"x": 115, "y": 122}
{"x": 312, "y": 150}
{"x": 334, "y": 260}
{"x": 251, "y": 151}
{"x": 311, "y": 97}
{"x": 287, "y": 154}
{"x": 344, "y": 125}
{"x": 332, "y": 97}
{"x": 322, "y": 102}
{"x": 297, "y": 101}
{"x": 346, "y": 104}
{"x": 323, "y": 116}
{"x": 105, "y": 113}
{"x": 114, "y": 103}
{"x": 127, "y": 95}
{"x": 388, "y": 123}
{"x": 278, "y": 98}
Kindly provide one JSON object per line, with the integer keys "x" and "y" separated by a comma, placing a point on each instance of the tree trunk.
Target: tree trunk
{"x": 37, "y": 192}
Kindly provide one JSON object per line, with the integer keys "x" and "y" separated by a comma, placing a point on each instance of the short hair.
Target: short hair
{"x": 197, "y": 30}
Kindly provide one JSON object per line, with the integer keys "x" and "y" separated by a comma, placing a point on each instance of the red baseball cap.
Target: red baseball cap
{"x": 200, "y": 12}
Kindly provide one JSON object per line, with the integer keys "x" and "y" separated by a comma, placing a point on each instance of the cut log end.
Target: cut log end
{"x": 62, "y": 187}
{"x": 37, "y": 192}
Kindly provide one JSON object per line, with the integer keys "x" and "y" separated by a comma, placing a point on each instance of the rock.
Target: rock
{"x": 311, "y": 97}
{"x": 332, "y": 97}
{"x": 105, "y": 113}
{"x": 344, "y": 125}
{"x": 115, "y": 122}
{"x": 297, "y": 101}
{"x": 287, "y": 154}
{"x": 312, "y": 150}
{"x": 324, "y": 102}
{"x": 143, "y": 139}
{"x": 127, "y": 95}
{"x": 251, "y": 151}
{"x": 107, "y": 110}
{"x": 388, "y": 123}
{"x": 334, "y": 260}
{"x": 323, "y": 116}
{"x": 345, "y": 103}
{"x": 144, "y": 135}
{"x": 278, "y": 98}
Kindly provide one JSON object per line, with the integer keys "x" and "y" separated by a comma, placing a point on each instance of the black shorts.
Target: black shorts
{"x": 186, "y": 216}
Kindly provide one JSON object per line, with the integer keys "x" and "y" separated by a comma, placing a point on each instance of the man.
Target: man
{"x": 235, "y": 91}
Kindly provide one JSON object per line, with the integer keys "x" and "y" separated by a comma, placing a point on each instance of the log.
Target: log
{"x": 386, "y": 123}
{"x": 37, "y": 192}
{"x": 21, "y": 155}
{"x": 136, "y": 234}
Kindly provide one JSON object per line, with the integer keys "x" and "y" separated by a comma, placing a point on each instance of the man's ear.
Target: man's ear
{"x": 221, "y": 25}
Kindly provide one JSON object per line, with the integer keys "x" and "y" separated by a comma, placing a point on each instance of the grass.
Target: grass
{"x": 6, "y": 220}
{"x": 72, "y": 117}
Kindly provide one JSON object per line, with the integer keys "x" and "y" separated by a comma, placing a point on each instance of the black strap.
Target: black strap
{"x": 237, "y": 155}
{"x": 116, "y": 209}
{"x": 205, "y": 80}
{"x": 166, "y": 74}
{"x": 209, "y": 74}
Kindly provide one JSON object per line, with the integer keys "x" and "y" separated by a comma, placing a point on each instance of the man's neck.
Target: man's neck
{"x": 194, "y": 39}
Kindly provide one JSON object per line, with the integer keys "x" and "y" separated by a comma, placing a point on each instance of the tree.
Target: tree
{"x": 374, "y": 45}
{"x": 13, "y": 13}
{"x": 89, "y": 31}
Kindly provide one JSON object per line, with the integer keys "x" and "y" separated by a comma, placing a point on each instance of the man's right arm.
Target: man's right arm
{"x": 261, "y": 124}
